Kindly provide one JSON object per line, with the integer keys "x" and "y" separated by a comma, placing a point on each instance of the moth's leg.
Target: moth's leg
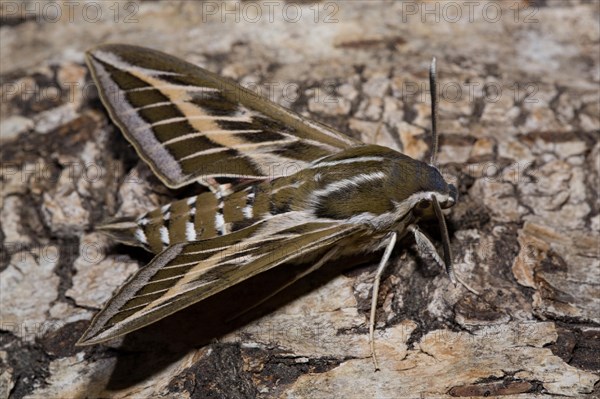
{"x": 311, "y": 269}
{"x": 426, "y": 246}
{"x": 380, "y": 270}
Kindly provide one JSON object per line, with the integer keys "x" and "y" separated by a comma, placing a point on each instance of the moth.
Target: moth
{"x": 342, "y": 197}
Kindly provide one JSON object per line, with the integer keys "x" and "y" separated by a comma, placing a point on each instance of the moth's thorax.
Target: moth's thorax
{"x": 367, "y": 184}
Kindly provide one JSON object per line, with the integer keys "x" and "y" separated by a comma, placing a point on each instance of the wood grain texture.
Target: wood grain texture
{"x": 521, "y": 138}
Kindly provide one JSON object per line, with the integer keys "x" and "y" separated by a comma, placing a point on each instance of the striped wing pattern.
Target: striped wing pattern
{"x": 187, "y": 273}
{"x": 188, "y": 123}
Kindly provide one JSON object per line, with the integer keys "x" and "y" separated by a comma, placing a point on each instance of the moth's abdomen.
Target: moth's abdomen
{"x": 195, "y": 218}
{"x": 179, "y": 221}
{"x": 121, "y": 229}
{"x": 157, "y": 229}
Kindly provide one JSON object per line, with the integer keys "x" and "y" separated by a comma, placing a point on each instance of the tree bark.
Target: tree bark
{"x": 519, "y": 123}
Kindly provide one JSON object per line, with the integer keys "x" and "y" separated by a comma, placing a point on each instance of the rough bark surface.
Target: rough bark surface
{"x": 519, "y": 123}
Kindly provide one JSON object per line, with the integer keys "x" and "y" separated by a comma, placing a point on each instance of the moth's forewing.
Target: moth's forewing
{"x": 184, "y": 274}
{"x": 188, "y": 123}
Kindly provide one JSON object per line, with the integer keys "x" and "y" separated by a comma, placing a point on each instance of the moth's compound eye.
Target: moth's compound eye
{"x": 421, "y": 208}
{"x": 424, "y": 204}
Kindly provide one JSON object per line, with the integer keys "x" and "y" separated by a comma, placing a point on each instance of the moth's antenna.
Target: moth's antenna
{"x": 433, "y": 92}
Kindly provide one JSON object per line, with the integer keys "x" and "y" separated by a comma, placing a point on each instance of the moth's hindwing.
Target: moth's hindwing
{"x": 187, "y": 273}
{"x": 188, "y": 123}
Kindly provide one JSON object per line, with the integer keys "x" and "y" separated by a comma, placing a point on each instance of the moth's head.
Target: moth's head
{"x": 445, "y": 193}
{"x": 452, "y": 198}
{"x": 432, "y": 184}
